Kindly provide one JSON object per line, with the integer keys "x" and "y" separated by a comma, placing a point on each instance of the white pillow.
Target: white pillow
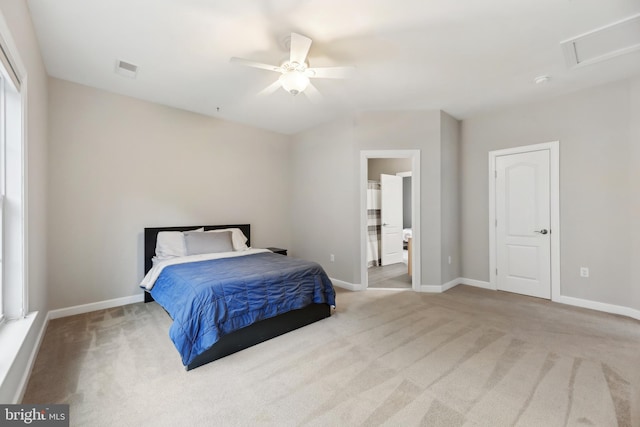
{"x": 170, "y": 244}
{"x": 237, "y": 237}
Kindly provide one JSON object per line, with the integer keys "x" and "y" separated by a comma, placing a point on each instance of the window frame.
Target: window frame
{"x": 2, "y": 190}
{"x": 13, "y": 191}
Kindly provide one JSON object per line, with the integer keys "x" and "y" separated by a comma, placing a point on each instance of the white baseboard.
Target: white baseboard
{"x": 431, "y": 289}
{"x": 346, "y": 285}
{"x": 600, "y": 306}
{"x": 452, "y": 284}
{"x": 436, "y": 289}
{"x": 577, "y": 302}
{"x": 101, "y": 305}
{"x": 476, "y": 283}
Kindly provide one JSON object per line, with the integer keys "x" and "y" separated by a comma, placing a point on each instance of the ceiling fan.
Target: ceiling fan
{"x": 296, "y": 73}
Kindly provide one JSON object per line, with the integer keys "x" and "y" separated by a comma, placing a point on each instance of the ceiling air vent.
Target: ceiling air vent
{"x": 126, "y": 69}
{"x": 603, "y": 43}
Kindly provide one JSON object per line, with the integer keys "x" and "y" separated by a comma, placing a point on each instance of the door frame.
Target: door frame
{"x": 554, "y": 209}
{"x": 414, "y": 155}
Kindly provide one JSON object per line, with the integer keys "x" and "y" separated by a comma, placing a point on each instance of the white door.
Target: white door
{"x": 391, "y": 213}
{"x": 523, "y": 244}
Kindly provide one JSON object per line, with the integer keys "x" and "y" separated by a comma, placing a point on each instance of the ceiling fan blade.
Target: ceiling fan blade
{"x": 330, "y": 72}
{"x": 299, "y": 48}
{"x": 256, "y": 64}
{"x": 270, "y": 89}
{"x": 312, "y": 93}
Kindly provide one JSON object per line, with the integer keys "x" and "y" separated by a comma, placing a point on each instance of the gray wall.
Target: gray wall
{"x": 325, "y": 207}
{"x": 450, "y": 204}
{"x": 404, "y": 130}
{"x": 118, "y": 165}
{"x": 325, "y": 201}
{"x": 598, "y": 134}
{"x": 16, "y": 15}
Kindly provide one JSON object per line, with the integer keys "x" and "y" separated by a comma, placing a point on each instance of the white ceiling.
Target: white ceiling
{"x": 459, "y": 56}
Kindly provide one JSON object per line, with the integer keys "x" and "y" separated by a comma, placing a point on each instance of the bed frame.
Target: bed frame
{"x": 250, "y": 335}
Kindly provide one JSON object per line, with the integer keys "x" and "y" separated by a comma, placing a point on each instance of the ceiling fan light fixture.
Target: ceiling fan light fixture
{"x": 295, "y": 73}
{"x": 294, "y": 81}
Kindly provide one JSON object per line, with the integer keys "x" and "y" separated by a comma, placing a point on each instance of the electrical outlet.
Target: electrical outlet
{"x": 584, "y": 272}
{"x": 332, "y": 258}
{"x": 449, "y": 259}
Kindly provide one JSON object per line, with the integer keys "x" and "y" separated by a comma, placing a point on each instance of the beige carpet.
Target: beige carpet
{"x": 469, "y": 357}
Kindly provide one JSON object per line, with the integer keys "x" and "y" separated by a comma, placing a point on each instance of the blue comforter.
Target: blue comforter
{"x": 208, "y": 299}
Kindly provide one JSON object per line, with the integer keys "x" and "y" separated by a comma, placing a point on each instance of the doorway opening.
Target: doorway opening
{"x": 390, "y": 219}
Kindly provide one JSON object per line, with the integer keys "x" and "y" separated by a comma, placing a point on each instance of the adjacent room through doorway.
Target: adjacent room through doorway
{"x": 389, "y": 232}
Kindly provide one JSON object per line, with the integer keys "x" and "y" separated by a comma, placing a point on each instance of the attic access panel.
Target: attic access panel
{"x": 604, "y": 43}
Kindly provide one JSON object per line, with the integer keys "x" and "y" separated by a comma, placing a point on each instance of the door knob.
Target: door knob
{"x": 543, "y": 231}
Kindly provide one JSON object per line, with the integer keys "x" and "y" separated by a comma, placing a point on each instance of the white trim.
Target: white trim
{"x": 414, "y": 155}
{"x": 451, "y": 284}
{"x": 19, "y": 72}
{"x": 431, "y": 289}
{"x": 12, "y": 337}
{"x": 6, "y": 39}
{"x": 22, "y": 387}
{"x": 569, "y": 48}
{"x": 577, "y": 302}
{"x": 346, "y": 285}
{"x": 438, "y": 289}
{"x": 3, "y": 189}
{"x": 476, "y": 283}
{"x": 101, "y": 305}
{"x": 357, "y": 287}
{"x": 455, "y": 282}
{"x": 15, "y": 257}
{"x": 554, "y": 173}
{"x": 24, "y": 146}
{"x": 600, "y": 306}
{"x": 554, "y": 207}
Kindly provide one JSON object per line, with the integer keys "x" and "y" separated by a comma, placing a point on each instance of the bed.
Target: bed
{"x": 224, "y": 302}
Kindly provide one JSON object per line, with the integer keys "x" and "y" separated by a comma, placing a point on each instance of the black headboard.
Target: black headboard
{"x": 151, "y": 235}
